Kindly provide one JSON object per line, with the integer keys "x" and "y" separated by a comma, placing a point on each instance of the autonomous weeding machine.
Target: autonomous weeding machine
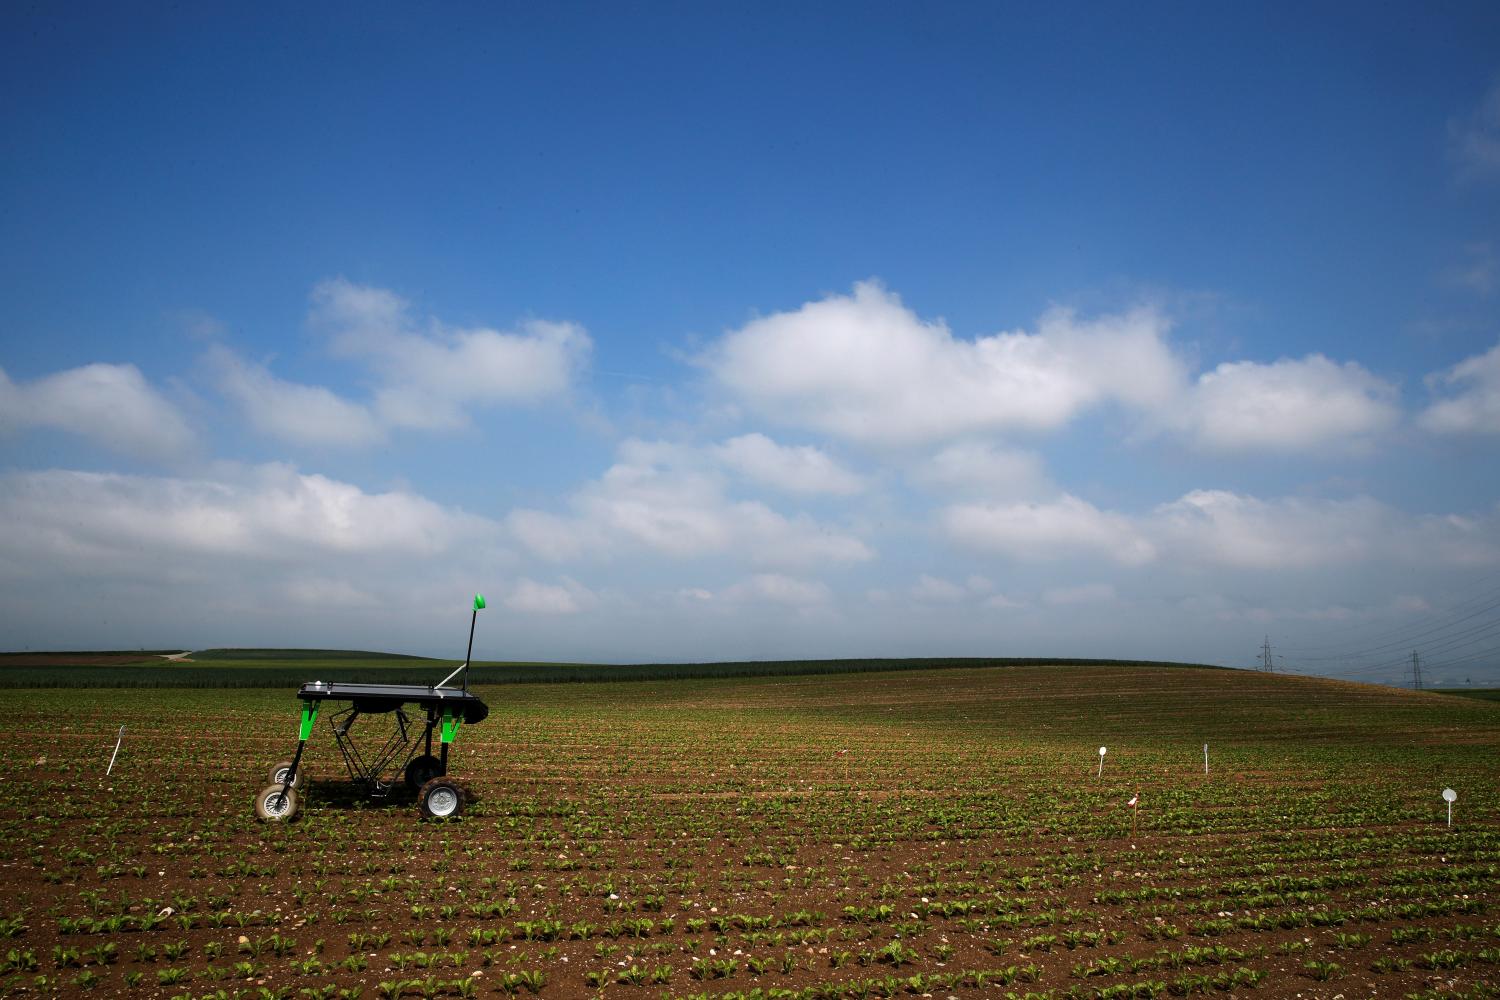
{"x": 405, "y": 758}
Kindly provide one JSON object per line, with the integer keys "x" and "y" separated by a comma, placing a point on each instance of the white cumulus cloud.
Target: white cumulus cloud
{"x": 262, "y": 555}
{"x": 980, "y": 468}
{"x": 111, "y": 405}
{"x": 1473, "y": 403}
{"x": 1046, "y": 531}
{"x": 1220, "y": 529}
{"x": 866, "y": 368}
{"x": 1217, "y": 527}
{"x": 430, "y": 371}
{"x": 265, "y": 514}
{"x": 302, "y": 414}
{"x": 794, "y": 469}
{"x": 554, "y": 537}
{"x": 671, "y": 500}
{"x": 1288, "y": 405}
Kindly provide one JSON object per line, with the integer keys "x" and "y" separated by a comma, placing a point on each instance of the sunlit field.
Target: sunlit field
{"x": 942, "y": 832}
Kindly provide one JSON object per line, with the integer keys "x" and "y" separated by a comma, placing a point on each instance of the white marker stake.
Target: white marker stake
{"x": 1450, "y": 797}
{"x": 1205, "y": 758}
{"x": 112, "y": 756}
{"x": 1102, "y": 752}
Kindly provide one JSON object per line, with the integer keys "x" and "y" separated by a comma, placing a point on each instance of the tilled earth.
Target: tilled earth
{"x": 946, "y": 834}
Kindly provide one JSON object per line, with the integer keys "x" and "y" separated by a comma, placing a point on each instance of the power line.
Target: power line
{"x": 1450, "y": 645}
{"x": 1462, "y": 635}
{"x": 1485, "y": 600}
{"x": 1409, "y": 637}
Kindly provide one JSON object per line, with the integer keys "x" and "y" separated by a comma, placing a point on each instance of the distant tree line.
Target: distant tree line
{"x": 296, "y": 666}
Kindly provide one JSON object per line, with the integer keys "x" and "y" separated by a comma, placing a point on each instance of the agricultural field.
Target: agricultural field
{"x": 943, "y": 833}
{"x": 288, "y": 668}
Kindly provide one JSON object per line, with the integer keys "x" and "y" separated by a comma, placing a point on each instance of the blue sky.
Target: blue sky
{"x": 698, "y": 332}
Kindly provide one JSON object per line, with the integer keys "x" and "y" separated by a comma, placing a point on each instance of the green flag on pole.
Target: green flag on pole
{"x": 478, "y": 602}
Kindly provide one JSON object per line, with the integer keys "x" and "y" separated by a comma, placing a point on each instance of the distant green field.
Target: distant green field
{"x": 215, "y": 655}
{"x": 91, "y": 657}
{"x": 1485, "y": 694}
{"x": 289, "y": 668}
